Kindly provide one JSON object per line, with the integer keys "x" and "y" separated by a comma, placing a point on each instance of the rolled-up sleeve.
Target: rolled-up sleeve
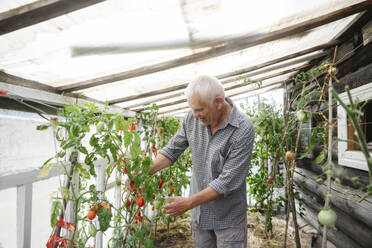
{"x": 177, "y": 144}
{"x": 236, "y": 165}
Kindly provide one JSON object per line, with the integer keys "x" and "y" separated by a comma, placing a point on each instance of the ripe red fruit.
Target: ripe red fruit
{"x": 127, "y": 203}
{"x": 289, "y": 156}
{"x": 125, "y": 170}
{"x": 172, "y": 190}
{"x": 105, "y": 205}
{"x": 95, "y": 207}
{"x": 91, "y": 214}
{"x": 133, "y": 126}
{"x": 160, "y": 183}
{"x": 140, "y": 201}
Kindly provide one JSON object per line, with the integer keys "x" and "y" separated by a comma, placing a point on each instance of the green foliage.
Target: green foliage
{"x": 174, "y": 177}
{"x": 269, "y": 127}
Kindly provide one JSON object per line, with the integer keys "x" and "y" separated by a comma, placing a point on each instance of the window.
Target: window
{"x": 349, "y": 154}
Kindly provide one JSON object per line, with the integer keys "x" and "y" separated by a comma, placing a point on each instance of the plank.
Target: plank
{"x": 35, "y": 95}
{"x": 39, "y": 11}
{"x": 23, "y": 178}
{"x": 234, "y": 94}
{"x": 239, "y": 85}
{"x": 229, "y": 74}
{"x": 232, "y": 46}
{"x": 24, "y": 214}
{"x": 233, "y": 79}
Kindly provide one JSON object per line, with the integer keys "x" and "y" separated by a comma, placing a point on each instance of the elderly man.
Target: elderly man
{"x": 221, "y": 140}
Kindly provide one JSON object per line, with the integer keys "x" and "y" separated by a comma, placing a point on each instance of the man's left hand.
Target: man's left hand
{"x": 177, "y": 205}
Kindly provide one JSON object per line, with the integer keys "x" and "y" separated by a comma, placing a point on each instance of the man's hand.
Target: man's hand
{"x": 177, "y": 205}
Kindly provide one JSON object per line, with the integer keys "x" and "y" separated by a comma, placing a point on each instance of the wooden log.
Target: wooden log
{"x": 336, "y": 237}
{"x": 345, "y": 198}
{"x": 233, "y": 46}
{"x": 39, "y": 11}
{"x": 344, "y": 173}
{"x": 354, "y": 229}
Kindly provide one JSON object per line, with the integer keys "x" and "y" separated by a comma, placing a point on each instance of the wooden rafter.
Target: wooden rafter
{"x": 240, "y": 94}
{"x": 39, "y": 11}
{"x": 40, "y": 96}
{"x": 238, "y": 85}
{"x": 235, "y": 94}
{"x": 233, "y": 79}
{"x": 229, "y": 47}
{"x": 225, "y": 75}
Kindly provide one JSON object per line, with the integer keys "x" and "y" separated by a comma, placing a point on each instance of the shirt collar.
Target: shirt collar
{"x": 234, "y": 117}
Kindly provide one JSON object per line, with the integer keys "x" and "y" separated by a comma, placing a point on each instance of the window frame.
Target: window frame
{"x": 353, "y": 159}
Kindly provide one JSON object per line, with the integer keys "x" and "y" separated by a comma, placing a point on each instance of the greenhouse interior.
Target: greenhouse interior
{"x": 185, "y": 123}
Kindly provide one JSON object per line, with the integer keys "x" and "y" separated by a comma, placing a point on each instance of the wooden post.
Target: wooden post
{"x": 100, "y": 186}
{"x": 24, "y": 213}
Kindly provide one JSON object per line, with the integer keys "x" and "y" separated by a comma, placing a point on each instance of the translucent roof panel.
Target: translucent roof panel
{"x": 130, "y": 34}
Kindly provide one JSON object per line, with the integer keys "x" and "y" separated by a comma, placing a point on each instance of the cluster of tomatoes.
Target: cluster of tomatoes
{"x": 93, "y": 211}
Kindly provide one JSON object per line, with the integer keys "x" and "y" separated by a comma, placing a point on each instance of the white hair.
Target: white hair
{"x": 207, "y": 87}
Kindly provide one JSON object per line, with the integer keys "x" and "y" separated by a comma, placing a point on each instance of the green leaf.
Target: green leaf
{"x": 42, "y": 127}
{"x": 128, "y": 139}
{"x": 320, "y": 157}
{"x": 135, "y": 151}
{"x": 45, "y": 169}
{"x": 65, "y": 193}
{"x": 118, "y": 122}
{"x": 104, "y": 218}
{"x": 148, "y": 243}
{"x": 54, "y": 212}
{"x": 83, "y": 150}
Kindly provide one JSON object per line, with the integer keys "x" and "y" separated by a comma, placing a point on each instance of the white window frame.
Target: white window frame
{"x": 353, "y": 159}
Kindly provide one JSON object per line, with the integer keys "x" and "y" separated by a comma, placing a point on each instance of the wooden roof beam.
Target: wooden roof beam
{"x": 39, "y": 11}
{"x": 237, "y": 85}
{"x": 235, "y": 94}
{"x": 229, "y": 47}
{"x": 225, "y": 75}
{"x": 233, "y": 79}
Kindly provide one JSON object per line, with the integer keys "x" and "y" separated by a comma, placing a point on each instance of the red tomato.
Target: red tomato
{"x": 133, "y": 126}
{"x": 95, "y": 207}
{"x": 160, "y": 183}
{"x": 127, "y": 203}
{"x": 140, "y": 201}
{"x": 105, "y": 205}
{"x": 172, "y": 190}
{"x": 289, "y": 156}
{"x": 91, "y": 214}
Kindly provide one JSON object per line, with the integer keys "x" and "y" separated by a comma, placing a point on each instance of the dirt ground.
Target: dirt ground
{"x": 179, "y": 234}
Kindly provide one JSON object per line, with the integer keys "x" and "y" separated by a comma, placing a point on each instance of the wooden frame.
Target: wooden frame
{"x": 39, "y": 11}
{"x": 26, "y": 93}
{"x": 354, "y": 159}
{"x": 234, "y": 45}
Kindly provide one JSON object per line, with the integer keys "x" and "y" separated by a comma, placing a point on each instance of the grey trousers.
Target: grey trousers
{"x": 232, "y": 237}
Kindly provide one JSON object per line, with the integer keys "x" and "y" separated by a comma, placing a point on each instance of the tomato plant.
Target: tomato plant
{"x": 93, "y": 136}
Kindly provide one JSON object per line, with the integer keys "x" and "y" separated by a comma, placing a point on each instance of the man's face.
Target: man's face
{"x": 207, "y": 113}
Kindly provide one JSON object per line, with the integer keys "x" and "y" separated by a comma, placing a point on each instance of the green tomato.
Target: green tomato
{"x": 327, "y": 217}
{"x": 157, "y": 204}
{"x": 100, "y": 126}
{"x": 92, "y": 230}
{"x": 301, "y": 115}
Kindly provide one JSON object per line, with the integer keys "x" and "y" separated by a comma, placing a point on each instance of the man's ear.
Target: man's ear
{"x": 219, "y": 102}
